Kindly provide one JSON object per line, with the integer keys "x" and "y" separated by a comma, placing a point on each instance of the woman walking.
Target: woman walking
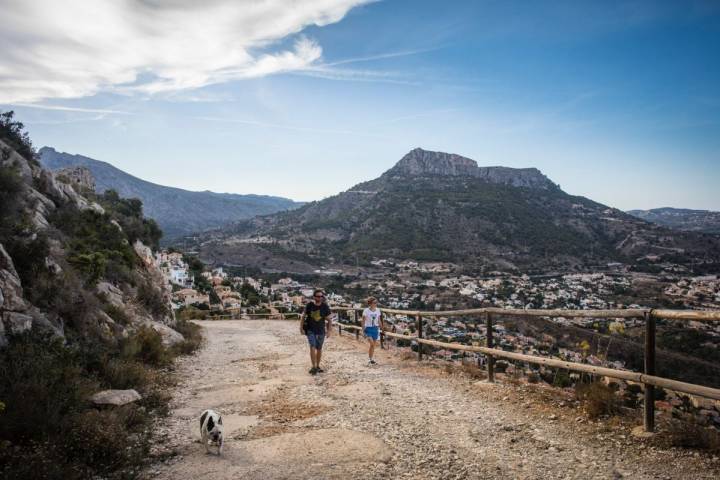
{"x": 372, "y": 323}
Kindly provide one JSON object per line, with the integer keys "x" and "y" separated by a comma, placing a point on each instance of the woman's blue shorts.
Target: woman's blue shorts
{"x": 372, "y": 332}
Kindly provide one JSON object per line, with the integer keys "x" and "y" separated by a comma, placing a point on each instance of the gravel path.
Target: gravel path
{"x": 398, "y": 419}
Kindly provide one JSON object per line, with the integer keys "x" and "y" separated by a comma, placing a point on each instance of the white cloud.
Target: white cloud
{"x": 77, "y": 48}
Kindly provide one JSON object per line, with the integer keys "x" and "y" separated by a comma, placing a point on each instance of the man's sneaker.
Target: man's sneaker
{"x": 319, "y": 370}
{"x": 313, "y": 371}
{"x": 373, "y": 362}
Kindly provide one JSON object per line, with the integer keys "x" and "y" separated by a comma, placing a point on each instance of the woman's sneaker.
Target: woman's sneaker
{"x": 372, "y": 362}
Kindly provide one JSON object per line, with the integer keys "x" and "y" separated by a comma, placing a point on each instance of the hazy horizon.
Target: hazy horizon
{"x": 618, "y": 102}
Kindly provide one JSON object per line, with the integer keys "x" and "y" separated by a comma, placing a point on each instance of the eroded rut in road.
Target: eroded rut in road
{"x": 393, "y": 420}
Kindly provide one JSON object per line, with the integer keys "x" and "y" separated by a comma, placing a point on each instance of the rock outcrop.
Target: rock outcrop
{"x": 419, "y": 162}
{"x": 38, "y": 196}
{"x": 79, "y": 177}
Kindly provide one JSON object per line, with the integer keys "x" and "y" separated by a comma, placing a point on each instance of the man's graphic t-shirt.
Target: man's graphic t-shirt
{"x": 316, "y": 317}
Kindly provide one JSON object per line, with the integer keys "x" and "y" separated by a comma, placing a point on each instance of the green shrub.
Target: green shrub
{"x": 562, "y": 379}
{"x": 90, "y": 265}
{"x": 118, "y": 314}
{"x": 40, "y": 368}
{"x": 14, "y": 135}
{"x": 686, "y": 433}
{"x": 107, "y": 440}
{"x": 123, "y": 374}
{"x": 128, "y": 213}
{"x": 193, "y": 337}
{"x": 97, "y": 248}
{"x": 10, "y": 188}
{"x": 152, "y": 299}
{"x": 146, "y": 345}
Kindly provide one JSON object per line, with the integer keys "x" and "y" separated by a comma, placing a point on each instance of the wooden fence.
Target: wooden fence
{"x": 647, "y": 378}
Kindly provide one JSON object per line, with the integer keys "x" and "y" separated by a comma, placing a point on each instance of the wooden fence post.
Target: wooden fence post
{"x": 649, "y": 370}
{"x": 489, "y": 343}
{"x": 420, "y": 335}
{"x": 356, "y": 322}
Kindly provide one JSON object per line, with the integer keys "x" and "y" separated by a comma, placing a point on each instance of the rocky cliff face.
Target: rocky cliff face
{"x": 67, "y": 263}
{"x": 419, "y": 162}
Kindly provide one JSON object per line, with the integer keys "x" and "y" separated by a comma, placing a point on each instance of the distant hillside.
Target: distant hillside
{"x": 177, "y": 211}
{"x": 682, "y": 219}
{"x": 443, "y": 207}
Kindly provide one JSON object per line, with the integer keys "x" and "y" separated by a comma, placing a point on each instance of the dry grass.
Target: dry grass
{"x": 597, "y": 399}
{"x": 408, "y": 355}
{"x": 466, "y": 370}
{"x": 685, "y": 433}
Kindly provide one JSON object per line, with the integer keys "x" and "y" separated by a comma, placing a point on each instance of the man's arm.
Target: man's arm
{"x": 302, "y": 323}
{"x": 328, "y": 322}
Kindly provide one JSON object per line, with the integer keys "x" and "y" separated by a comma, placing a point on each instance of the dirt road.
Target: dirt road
{"x": 393, "y": 420}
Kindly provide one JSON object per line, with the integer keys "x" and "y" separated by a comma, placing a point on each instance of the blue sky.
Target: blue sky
{"x": 616, "y": 101}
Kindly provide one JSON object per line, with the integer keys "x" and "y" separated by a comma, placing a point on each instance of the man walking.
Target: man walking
{"x": 313, "y": 324}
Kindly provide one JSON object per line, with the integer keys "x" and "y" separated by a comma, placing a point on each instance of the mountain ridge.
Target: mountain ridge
{"x": 178, "y": 211}
{"x": 436, "y": 206}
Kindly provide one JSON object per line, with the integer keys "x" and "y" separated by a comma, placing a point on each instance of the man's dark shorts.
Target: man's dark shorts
{"x": 316, "y": 340}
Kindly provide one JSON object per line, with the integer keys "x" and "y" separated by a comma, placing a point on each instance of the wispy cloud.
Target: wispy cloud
{"x": 70, "y": 109}
{"x": 380, "y": 56}
{"x": 77, "y": 48}
{"x": 330, "y": 70}
{"x": 93, "y": 118}
{"x": 354, "y": 75}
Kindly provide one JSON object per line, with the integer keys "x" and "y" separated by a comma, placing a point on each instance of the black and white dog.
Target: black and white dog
{"x": 211, "y": 430}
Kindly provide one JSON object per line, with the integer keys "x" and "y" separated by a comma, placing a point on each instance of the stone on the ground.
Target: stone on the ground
{"x": 115, "y": 398}
{"x": 639, "y": 432}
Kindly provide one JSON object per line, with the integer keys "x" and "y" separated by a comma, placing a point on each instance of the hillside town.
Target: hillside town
{"x": 431, "y": 287}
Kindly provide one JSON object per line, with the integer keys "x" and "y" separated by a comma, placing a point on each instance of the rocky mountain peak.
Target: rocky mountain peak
{"x": 419, "y": 162}
{"x": 425, "y": 162}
